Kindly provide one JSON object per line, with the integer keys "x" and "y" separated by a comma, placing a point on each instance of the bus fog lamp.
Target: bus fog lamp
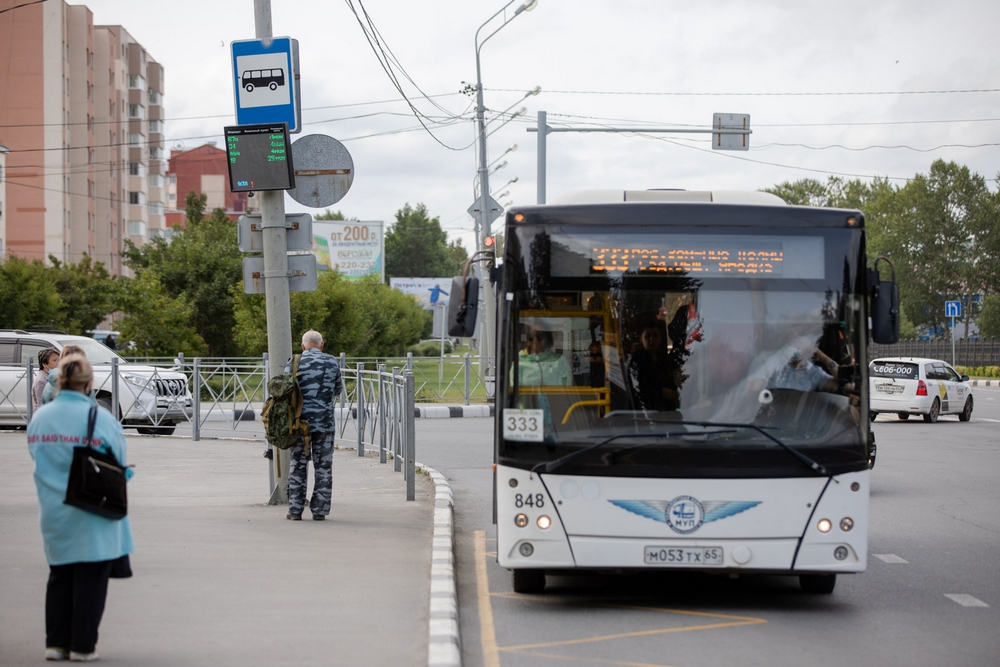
{"x": 526, "y": 549}
{"x": 855, "y": 486}
{"x": 846, "y": 523}
{"x": 544, "y": 522}
{"x": 840, "y": 553}
{"x": 521, "y": 520}
{"x": 824, "y": 526}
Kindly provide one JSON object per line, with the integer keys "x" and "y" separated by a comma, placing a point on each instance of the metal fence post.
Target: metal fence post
{"x": 29, "y": 375}
{"x": 359, "y": 423}
{"x": 196, "y": 401}
{"x": 343, "y": 391}
{"x": 397, "y": 419}
{"x": 409, "y": 362}
{"x": 468, "y": 394}
{"x": 115, "y": 404}
{"x": 411, "y": 440}
{"x": 381, "y": 413}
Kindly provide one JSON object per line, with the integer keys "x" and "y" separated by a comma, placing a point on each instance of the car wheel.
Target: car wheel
{"x": 817, "y": 583}
{"x": 249, "y": 87}
{"x": 156, "y": 430}
{"x": 932, "y": 416}
{"x": 105, "y": 402}
{"x": 966, "y": 414}
{"x": 903, "y": 415}
{"x": 529, "y": 581}
{"x": 872, "y": 415}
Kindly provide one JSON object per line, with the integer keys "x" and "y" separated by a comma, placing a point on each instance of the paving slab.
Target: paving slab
{"x": 222, "y": 578}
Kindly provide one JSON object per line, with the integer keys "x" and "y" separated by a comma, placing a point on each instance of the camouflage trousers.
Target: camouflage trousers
{"x": 321, "y": 453}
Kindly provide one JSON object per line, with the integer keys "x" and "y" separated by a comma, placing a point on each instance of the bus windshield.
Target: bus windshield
{"x": 683, "y": 353}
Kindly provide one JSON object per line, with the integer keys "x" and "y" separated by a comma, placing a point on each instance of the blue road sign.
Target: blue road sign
{"x": 952, "y": 308}
{"x": 264, "y": 82}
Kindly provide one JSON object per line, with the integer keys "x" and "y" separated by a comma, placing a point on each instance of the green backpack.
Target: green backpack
{"x": 282, "y": 412}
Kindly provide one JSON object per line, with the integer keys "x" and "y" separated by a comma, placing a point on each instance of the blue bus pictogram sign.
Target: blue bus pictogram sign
{"x": 264, "y": 82}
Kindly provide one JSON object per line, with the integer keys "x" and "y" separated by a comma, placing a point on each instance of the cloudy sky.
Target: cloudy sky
{"x": 852, "y": 88}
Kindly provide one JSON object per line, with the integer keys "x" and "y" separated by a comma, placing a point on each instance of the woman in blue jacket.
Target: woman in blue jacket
{"x": 79, "y": 546}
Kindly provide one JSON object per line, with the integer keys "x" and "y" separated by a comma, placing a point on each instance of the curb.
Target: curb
{"x": 985, "y": 383}
{"x": 444, "y": 642}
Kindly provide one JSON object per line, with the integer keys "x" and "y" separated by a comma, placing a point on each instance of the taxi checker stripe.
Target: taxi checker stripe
{"x": 714, "y": 509}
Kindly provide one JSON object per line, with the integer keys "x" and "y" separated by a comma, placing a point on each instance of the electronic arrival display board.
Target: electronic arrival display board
{"x": 694, "y": 255}
{"x": 260, "y": 157}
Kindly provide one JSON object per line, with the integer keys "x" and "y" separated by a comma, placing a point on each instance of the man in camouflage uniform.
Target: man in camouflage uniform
{"x": 321, "y": 384}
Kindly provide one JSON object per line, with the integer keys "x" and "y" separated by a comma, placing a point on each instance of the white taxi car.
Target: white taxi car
{"x": 913, "y": 386}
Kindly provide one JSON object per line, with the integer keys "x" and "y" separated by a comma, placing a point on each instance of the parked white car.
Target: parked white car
{"x": 913, "y": 386}
{"x": 152, "y": 400}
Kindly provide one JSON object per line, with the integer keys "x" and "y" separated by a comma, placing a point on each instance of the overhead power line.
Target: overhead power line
{"x": 762, "y": 94}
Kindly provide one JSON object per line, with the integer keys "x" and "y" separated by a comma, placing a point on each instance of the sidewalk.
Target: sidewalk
{"x": 221, "y": 578}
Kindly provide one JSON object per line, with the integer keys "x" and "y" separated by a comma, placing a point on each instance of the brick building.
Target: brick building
{"x": 204, "y": 170}
{"x": 81, "y": 112}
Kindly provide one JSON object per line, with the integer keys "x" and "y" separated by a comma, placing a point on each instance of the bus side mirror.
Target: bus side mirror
{"x": 884, "y": 305}
{"x": 463, "y": 304}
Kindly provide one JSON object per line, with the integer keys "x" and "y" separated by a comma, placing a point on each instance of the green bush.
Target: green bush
{"x": 429, "y": 349}
{"x": 979, "y": 371}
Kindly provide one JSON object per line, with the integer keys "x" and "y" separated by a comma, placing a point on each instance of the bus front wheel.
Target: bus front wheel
{"x": 529, "y": 581}
{"x": 817, "y": 583}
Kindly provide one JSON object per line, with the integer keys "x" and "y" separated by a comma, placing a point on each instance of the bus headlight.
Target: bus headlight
{"x": 824, "y": 526}
{"x": 840, "y": 553}
{"x": 544, "y": 522}
{"x": 846, "y": 523}
{"x": 521, "y": 520}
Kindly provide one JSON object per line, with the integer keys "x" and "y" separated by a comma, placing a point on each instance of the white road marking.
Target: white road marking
{"x": 983, "y": 419}
{"x": 965, "y": 600}
{"x": 890, "y": 558}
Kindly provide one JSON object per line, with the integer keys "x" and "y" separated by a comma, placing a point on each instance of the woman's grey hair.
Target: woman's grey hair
{"x": 75, "y": 372}
{"x": 312, "y": 337}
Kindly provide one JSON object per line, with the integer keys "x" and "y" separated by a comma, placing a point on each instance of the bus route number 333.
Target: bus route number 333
{"x": 524, "y": 425}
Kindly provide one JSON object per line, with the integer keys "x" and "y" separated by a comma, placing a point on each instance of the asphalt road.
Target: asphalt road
{"x": 930, "y": 596}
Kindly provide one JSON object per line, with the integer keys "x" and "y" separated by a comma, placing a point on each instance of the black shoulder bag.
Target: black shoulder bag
{"x": 96, "y": 479}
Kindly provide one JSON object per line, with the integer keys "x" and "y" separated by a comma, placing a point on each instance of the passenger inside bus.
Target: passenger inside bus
{"x": 651, "y": 375}
{"x": 539, "y": 365}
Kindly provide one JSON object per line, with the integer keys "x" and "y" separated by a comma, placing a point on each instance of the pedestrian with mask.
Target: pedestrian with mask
{"x": 48, "y": 361}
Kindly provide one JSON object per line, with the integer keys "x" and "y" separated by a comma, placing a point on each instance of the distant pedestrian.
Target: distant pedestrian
{"x": 321, "y": 384}
{"x": 110, "y": 342}
{"x": 48, "y": 360}
{"x": 52, "y": 387}
{"x": 79, "y": 546}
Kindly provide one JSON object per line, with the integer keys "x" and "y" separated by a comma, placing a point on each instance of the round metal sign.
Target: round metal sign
{"x": 324, "y": 171}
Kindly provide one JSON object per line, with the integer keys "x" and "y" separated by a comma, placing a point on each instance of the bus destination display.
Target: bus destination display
{"x": 259, "y": 157}
{"x": 720, "y": 258}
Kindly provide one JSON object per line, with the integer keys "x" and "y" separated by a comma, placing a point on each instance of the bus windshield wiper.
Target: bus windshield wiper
{"x": 817, "y": 467}
{"x": 552, "y": 466}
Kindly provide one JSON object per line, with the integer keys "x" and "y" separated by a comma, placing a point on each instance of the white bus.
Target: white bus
{"x": 682, "y": 383}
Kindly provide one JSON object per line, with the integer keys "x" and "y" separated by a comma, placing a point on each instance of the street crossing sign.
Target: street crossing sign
{"x": 952, "y": 308}
{"x": 265, "y": 79}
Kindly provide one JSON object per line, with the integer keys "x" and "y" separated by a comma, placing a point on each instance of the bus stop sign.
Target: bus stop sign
{"x": 264, "y": 82}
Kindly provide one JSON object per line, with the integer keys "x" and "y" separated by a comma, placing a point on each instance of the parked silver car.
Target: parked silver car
{"x": 152, "y": 400}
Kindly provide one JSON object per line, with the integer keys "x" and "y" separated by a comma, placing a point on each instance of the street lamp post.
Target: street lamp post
{"x": 488, "y": 326}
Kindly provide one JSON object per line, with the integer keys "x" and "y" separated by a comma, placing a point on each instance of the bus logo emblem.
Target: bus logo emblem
{"x": 685, "y": 514}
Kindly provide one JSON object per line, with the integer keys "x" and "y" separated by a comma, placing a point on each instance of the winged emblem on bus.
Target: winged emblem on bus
{"x": 685, "y": 514}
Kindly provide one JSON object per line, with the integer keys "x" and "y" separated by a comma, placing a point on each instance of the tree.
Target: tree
{"x": 28, "y": 295}
{"x": 198, "y": 266}
{"x": 157, "y": 323}
{"x": 459, "y": 256}
{"x": 330, "y": 215}
{"x": 989, "y": 317}
{"x": 360, "y": 318}
{"x": 416, "y": 246}
{"x": 87, "y": 293}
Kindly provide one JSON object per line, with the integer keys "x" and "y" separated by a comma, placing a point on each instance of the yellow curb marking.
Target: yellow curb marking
{"x": 487, "y": 631}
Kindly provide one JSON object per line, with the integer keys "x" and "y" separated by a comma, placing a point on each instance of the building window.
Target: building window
{"x": 136, "y": 111}
{"x": 155, "y": 181}
{"x": 136, "y": 82}
{"x": 155, "y": 152}
{"x": 156, "y": 126}
{"x": 155, "y": 97}
{"x": 1, "y": 173}
{"x": 134, "y": 139}
{"x": 136, "y": 169}
{"x": 136, "y": 228}
{"x": 136, "y": 198}
{"x": 172, "y": 178}
{"x": 172, "y": 196}
{"x": 155, "y": 208}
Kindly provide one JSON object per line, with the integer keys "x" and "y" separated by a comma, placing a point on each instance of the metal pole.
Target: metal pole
{"x": 359, "y": 423}
{"x": 468, "y": 394}
{"x": 381, "y": 413}
{"x": 542, "y": 134}
{"x": 270, "y": 468}
{"x": 487, "y": 325}
{"x": 411, "y": 440}
{"x": 196, "y": 401}
{"x": 115, "y": 405}
{"x": 952, "y": 341}
{"x": 279, "y": 318}
{"x": 29, "y": 375}
{"x": 397, "y": 419}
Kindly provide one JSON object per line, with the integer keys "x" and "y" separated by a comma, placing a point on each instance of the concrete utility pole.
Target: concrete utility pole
{"x": 279, "y": 315}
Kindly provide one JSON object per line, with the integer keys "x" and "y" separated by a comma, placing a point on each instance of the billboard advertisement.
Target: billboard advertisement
{"x": 430, "y": 293}
{"x": 355, "y": 248}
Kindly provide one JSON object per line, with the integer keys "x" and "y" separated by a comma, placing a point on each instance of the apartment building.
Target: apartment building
{"x": 81, "y": 112}
{"x": 202, "y": 170}
{"x": 3, "y": 199}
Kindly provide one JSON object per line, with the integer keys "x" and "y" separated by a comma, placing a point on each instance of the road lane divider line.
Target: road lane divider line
{"x": 965, "y": 600}
{"x": 890, "y": 558}
{"x": 444, "y": 644}
{"x": 600, "y": 661}
{"x": 630, "y": 635}
{"x": 487, "y": 631}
